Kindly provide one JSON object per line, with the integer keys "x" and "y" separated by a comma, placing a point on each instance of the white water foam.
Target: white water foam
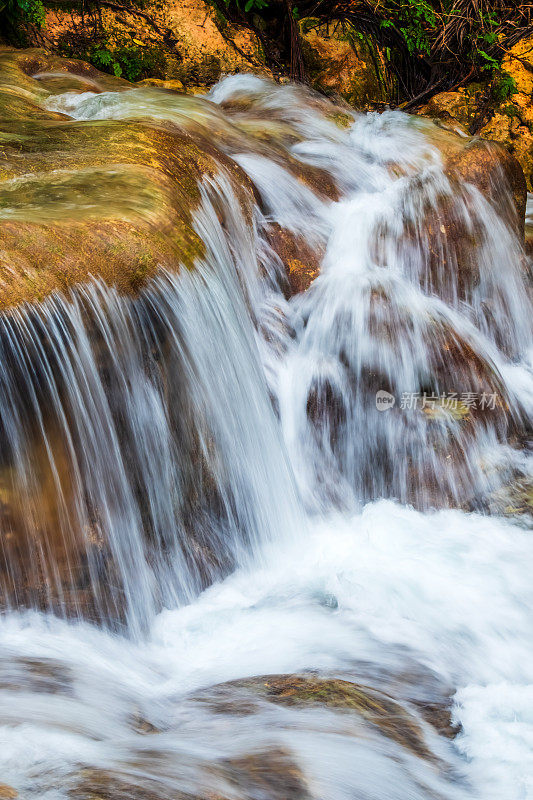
{"x": 418, "y": 604}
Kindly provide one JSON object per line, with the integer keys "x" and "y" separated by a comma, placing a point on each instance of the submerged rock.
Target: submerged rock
{"x": 377, "y": 709}
{"x": 269, "y": 774}
{"x": 300, "y": 260}
{"x": 266, "y": 773}
{"x": 95, "y": 784}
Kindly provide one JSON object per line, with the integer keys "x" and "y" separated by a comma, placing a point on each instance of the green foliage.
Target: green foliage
{"x": 128, "y": 60}
{"x": 248, "y": 5}
{"x": 503, "y": 87}
{"x": 510, "y": 111}
{"x": 16, "y": 12}
{"x": 414, "y": 19}
{"x": 450, "y": 30}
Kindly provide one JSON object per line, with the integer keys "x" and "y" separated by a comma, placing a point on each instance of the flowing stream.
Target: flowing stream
{"x": 216, "y": 481}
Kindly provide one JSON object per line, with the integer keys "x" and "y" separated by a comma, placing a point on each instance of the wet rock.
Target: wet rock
{"x": 46, "y": 68}
{"x": 377, "y": 709}
{"x": 95, "y": 784}
{"x": 492, "y": 169}
{"x": 268, "y": 774}
{"x": 111, "y": 199}
{"x": 301, "y": 260}
{"x": 456, "y": 394}
{"x": 514, "y": 499}
{"x": 173, "y": 86}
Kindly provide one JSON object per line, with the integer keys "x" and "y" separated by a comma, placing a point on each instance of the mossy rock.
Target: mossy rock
{"x": 459, "y": 105}
{"x": 39, "y": 65}
{"x": 110, "y": 199}
{"x": 266, "y": 773}
{"x": 514, "y": 499}
{"x": 376, "y": 708}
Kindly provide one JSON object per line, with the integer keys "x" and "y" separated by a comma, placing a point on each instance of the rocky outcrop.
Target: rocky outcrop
{"x": 497, "y": 174}
{"x": 343, "y": 65}
{"x": 488, "y": 165}
{"x": 192, "y": 43}
{"x": 180, "y": 41}
{"x": 112, "y": 199}
{"x": 376, "y": 709}
{"x": 501, "y": 111}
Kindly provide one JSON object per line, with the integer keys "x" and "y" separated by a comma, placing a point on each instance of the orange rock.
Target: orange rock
{"x": 335, "y": 65}
{"x": 301, "y": 261}
{"x": 519, "y": 64}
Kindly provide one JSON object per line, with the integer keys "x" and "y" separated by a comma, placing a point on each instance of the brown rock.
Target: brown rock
{"x": 196, "y": 43}
{"x": 112, "y": 199}
{"x": 376, "y": 708}
{"x": 173, "y": 86}
{"x": 269, "y": 773}
{"x": 97, "y": 784}
{"x": 301, "y": 260}
{"x": 512, "y": 127}
{"x": 519, "y": 64}
{"x": 107, "y": 199}
{"x": 339, "y": 66}
{"x": 493, "y": 170}
{"x": 459, "y": 106}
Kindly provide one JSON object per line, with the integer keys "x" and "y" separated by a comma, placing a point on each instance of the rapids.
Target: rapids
{"x": 230, "y": 499}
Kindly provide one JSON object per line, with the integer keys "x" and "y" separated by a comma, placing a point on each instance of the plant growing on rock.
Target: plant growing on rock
{"x": 429, "y": 45}
{"x": 16, "y": 14}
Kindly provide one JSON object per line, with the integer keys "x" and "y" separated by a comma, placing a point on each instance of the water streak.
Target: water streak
{"x": 205, "y": 471}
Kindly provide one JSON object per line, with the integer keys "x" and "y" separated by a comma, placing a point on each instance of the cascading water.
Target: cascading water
{"x": 185, "y": 473}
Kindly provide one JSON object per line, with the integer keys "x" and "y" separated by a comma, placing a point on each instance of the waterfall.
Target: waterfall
{"x": 116, "y": 412}
{"x": 220, "y": 479}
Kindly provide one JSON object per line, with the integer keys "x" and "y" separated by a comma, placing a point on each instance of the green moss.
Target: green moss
{"x": 340, "y": 119}
{"x": 144, "y": 269}
{"x": 503, "y": 87}
{"x": 510, "y": 111}
{"x": 376, "y": 708}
